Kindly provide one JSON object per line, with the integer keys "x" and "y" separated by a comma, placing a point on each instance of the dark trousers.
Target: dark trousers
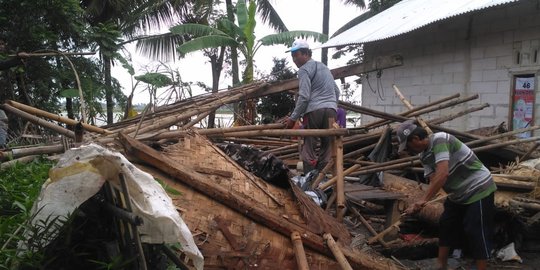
{"x": 318, "y": 119}
{"x": 471, "y": 224}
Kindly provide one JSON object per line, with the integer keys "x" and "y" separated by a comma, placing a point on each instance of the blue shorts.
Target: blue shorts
{"x": 470, "y": 224}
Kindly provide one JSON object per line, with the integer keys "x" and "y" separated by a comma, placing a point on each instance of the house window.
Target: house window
{"x": 523, "y": 96}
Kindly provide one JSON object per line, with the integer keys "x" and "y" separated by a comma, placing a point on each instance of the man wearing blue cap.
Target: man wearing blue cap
{"x": 317, "y": 101}
{"x": 469, "y": 209}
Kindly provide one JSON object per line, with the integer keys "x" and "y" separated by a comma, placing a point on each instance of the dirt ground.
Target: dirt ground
{"x": 531, "y": 261}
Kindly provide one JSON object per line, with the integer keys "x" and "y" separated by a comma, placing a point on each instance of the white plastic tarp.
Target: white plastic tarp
{"x": 82, "y": 171}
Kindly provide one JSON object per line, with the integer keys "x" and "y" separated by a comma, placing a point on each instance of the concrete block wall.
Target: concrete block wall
{"x": 450, "y": 57}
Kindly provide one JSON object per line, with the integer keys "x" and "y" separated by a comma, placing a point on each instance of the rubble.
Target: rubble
{"x": 251, "y": 214}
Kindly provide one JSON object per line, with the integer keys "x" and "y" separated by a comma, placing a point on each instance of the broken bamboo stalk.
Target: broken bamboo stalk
{"x": 333, "y": 180}
{"x": 38, "y": 121}
{"x": 529, "y": 152}
{"x": 36, "y": 150}
{"x": 52, "y": 116}
{"x": 450, "y": 117}
{"x": 196, "y": 120}
{"x": 517, "y": 177}
{"x": 210, "y": 131}
{"x": 368, "y": 226}
{"x": 340, "y": 258}
{"x": 340, "y": 182}
{"x": 322, "y": 173}
{"x": 410, "y": 107}
{"x": 288, "y": 132}
{"x": 299, "y": 253}
{"x": 502, "y": 135}
{"x": 12, "y": 163}
{"x": 499, "y": 145}
{"x": 409, "y": 113}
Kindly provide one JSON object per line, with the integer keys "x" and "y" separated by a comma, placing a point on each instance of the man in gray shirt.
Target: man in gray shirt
{"x": 317, "y": 102}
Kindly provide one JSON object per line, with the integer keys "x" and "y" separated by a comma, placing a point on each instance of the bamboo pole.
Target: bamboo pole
{"x": 340, "y": 182}
{"x": 38, "y": 121}
{"x": 447, "y": 118}
{"x": 12, "y": 163}
{"x": 29, "y": 151}
{"x": 368, "y": 226}
{"x": 196, "y": 120}
{"x": 410, "y": 107}
{"x": 340, "y": 258}
{"x": 288, "y": 132}
{"x": 52, "y": 116}
{"x": 210, "y": 131}
{"x": 299, "y": 253}
{"x": 503, "y": 135}
{"x": 322, "y": 174}
{"x": 409, "y": 113}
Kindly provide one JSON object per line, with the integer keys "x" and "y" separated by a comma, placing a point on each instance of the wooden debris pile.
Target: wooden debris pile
{"x": 241, "y": 221}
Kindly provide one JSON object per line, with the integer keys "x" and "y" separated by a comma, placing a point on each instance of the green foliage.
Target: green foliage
{"x": 19, "y": 187}
{"x": 276, "y": 106}
{"x": 155, "y": 79}
{"x": 71, "y": 93}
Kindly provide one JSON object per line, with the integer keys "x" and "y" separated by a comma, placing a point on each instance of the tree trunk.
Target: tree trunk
{"x": 234, "y": 58}
{"x": 217, "y": 66}
{"x": 325, "y": 26}
{"x": 108, "y": 89}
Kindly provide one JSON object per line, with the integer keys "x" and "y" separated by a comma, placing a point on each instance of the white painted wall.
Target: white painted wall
{"x": 450, "y": 57}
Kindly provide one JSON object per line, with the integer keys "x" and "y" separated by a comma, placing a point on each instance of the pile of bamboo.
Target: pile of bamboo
{"x": 175, "y": 123}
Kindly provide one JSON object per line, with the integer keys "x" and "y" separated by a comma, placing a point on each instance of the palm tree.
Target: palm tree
{"x": 326, "y": 22}
{"x": 112, "y": 20}
{"x": 240, "y": 36}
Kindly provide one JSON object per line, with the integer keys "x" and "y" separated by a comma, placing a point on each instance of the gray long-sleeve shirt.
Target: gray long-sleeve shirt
{"x": 317, "y": 89}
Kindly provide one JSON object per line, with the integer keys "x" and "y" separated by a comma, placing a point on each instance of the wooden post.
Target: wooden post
{"x": 299, "y": 253}
{"x": 340, "y": 258}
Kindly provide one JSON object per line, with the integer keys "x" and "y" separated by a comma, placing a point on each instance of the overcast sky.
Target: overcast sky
{"x": 296, "y": 14}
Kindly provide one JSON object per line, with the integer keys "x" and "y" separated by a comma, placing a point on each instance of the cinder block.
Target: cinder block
{"x": 483, "y": 64}
{"x": 500, "y": 50}
{"x": 483, "y": 87}
{"x": 421, "y": 80}
{"x": 459, "y": 77}
{"x": 453, "y": 67}
{"x": 508, "y": 36}
{"x": 495, "y": 75}
{"x": 419, "y": 100}
{"x": 477, "y": 53}
{"x": 505, "y": 61}
{"x": 443, "y": 57}
{"x": 494, "y": 99}
{"x": 476, "y": 75}
{"x": 503, "y": 87}
{"x": 442, "y": 78}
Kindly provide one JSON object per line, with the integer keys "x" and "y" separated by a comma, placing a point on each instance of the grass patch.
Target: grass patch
{"x": 19, "y": 187}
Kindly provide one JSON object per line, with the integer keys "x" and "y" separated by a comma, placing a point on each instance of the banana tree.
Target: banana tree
{"x": 240, "y": 36}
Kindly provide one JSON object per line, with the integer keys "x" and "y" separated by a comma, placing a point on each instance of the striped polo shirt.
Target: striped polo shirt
{"x": 468, "y": 179}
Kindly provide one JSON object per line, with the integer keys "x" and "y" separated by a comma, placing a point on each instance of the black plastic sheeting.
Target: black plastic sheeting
{"x": 264, "y": 165}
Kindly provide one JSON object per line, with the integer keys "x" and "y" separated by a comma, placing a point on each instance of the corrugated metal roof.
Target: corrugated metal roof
{"x": 407, "y": 16}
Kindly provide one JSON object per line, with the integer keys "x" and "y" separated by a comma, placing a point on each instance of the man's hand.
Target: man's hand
{"x": 289, "y": 123}
{"x": 415, "y": 207}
